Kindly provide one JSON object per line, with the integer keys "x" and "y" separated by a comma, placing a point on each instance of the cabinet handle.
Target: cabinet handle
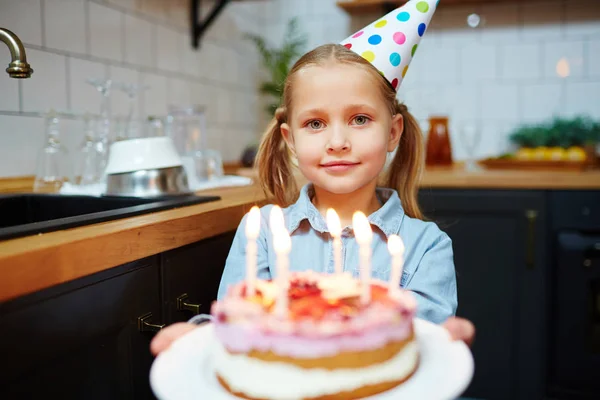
{"x": 144, "y": 324}
{"x": 182, "y": 305}
{"x": 530, "y": 256}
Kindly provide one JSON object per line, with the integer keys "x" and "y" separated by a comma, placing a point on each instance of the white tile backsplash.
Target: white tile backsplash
{"x": 106, "y": 28}
{"x": 119, "y": 99}
{"x": 179, "y": 92}
{"x": 520, "y": 61}
{"x": 23, "y": 18}
{"x": 61, "y": 35}
{"x": 593, "y": 57}
{"x": 583, "y": 98}
{"x": 540, "y": 100}
{"x": 542, "y": 20}
{"x": 155, "y": 99}
{"x": 500, "y": 101}
{"x": 564, "y": 56}
{"x": 47, "y": 87}
{"x": 478, "y": 62}
{"x": 139, "y": 46}
{"x": 169, "y": 49}
{"x": 22, "y": 138}
{"x": 9, "y": 87}
{"x": 85, "y": 97}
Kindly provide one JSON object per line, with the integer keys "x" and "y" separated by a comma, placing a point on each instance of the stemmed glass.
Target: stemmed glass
{"x": 131, "y": 127}
{"x": 87, "y": 159}
{"x": 103, "y": 86}
{"x": 52, "y": 167}
{"x": 470, "y": 136}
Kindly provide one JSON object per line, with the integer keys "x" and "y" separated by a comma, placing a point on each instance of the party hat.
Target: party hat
{"x": 390, "y": 42}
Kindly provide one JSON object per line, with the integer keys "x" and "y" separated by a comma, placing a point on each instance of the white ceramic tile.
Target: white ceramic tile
{"x": 106, "y": 28}
{"x": 540, "y": 102}
{"x": 593, "y": 57}
{"x": 209, "y": 94}
{"x": 119, "y": 99}
{"x": 47, "y": 86}
{"x": 178, "y": 13}
{"x": 155, "y": 98}
{"x": 499, "y": 101}
{"x": 520, "y": 61}
{"x": 583, "y": 98}
{"x": 191, "y": 61}
{"x": 564, "y": 56}
{"x": 442, "y": 65}
{"x": 179, "y": 92}
{"x": 198, "y": 94}
{"x": 478, "y": 62}
{"x": 460, "y": 102}
{"x": 156, "y": 9}
{"x": 582, "y": 17}
{"x": 9, "y": 87}
{"x": 84, "y": 96}
{"x": 127, "y": 4}
{"x": 169, "y": 52}
{"x": 212, "y": 58}
{"x": 230, "y": 67}
{"x": 21, "y": 138}
{"x": 215, "y": 140}
{"x": 65, "y": 36}
{"x": 224, "y": 107}
{"x": 542, "y": 20}
{"x": 23, "y": 18}
{"x": 139, "y": 46}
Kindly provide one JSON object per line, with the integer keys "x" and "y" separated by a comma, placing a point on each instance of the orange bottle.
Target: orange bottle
{"x": 439, "y": 149}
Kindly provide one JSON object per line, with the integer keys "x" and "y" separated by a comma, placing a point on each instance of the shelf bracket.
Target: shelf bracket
{"x": 198, "y": 26}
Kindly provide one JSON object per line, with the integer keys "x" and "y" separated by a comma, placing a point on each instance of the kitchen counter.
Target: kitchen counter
{"x": 36, "y": 262}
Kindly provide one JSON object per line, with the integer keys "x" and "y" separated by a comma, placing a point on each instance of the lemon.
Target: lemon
{"x": 540, "y": 153}
{"x": 525, "y": 153}
{"x": 556, "y": 154}
{"x": 576, "y": 154}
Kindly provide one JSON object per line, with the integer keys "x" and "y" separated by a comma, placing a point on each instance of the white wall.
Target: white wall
{"x": 139, "y": 41}
{"x": 498, "y": 75}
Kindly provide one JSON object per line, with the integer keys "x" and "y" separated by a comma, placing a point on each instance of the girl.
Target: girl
{"x": 339, "y": 120}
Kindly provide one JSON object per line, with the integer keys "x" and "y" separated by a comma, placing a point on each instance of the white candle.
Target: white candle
{"x": 364, "y": 235}
{"x": 252, "y": 230}
{"x": 396, "y": 248}
{"x": 282, "y": 244}
{"x": 335, "y": 229}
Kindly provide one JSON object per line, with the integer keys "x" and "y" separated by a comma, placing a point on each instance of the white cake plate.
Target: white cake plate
{"x": 185, "y": 370}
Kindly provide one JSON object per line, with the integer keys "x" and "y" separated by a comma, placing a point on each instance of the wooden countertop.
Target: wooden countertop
{"x": 36, "y": 262}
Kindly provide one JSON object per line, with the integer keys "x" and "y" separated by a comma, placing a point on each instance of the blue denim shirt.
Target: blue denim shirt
{"x": 428, "y": 259}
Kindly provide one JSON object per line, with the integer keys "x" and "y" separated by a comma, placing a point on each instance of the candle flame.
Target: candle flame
{"x": 395, "y": 245}
{"x": 333, "y": 223}
{"x": 362, "y": 228}
{"x": 282, "y": 242}
{"x": 276, "y": 220}
{"x": 253, "y": 223}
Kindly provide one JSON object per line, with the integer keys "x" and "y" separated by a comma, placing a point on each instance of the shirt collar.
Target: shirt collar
{"x": 387, "y": 218}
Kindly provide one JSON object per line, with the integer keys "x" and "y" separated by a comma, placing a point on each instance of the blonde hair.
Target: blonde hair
{"x": 273, "y": 160}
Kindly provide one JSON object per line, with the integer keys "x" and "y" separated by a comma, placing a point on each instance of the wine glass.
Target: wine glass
{"x": 470, "y": 136}
{"x": 131, "y": 126}
{"x": 52, "y": 166}
{"x": 87, "y": 162}
{"x": 103, "y": 126}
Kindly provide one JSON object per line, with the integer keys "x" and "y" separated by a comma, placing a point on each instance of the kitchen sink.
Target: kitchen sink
{"x": 30, "y": 214}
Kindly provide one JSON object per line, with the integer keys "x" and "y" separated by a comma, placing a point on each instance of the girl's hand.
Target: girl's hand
{"x": 460, "y": 329}
{"x": 163, "y": 339}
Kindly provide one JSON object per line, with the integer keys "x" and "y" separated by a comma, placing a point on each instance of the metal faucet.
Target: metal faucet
{"x": 18, "y": 67}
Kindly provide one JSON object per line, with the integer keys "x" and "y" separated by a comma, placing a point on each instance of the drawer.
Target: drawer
{"x": 576, "y": 210}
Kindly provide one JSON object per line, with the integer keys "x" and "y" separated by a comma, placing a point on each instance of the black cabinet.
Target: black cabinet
{"x": 499, "y": 241}
{"x": 80, "y": 340}
{"x": 191, "y": 277}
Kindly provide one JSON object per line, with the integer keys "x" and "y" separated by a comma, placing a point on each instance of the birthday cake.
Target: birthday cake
{"x": 322, "y": 341}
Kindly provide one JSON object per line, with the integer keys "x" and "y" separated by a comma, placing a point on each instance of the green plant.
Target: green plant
{"x": 560, "y": 132}
{"x": 278, "y": 61}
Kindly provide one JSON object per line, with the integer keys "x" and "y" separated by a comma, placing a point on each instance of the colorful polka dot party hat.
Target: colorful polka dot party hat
{"x": 390, "y": 42}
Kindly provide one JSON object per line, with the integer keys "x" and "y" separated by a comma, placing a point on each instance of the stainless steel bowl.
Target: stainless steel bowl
{"x": 149, "y": 183}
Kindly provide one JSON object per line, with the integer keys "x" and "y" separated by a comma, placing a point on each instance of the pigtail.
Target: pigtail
{"x": 274, "y": 165}
{"x": 406, "y": 168}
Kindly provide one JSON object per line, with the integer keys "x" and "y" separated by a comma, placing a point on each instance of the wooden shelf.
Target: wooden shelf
{"x": 357, "y": 7}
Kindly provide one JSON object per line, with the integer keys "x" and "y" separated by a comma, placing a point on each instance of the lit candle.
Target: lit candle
{"x": 335, "y": 229}
{"x": 363, "y": 234}
{"x": 396, "y": 248}
{"x": 252, "y": 230}
{"x": 282, "y": 244}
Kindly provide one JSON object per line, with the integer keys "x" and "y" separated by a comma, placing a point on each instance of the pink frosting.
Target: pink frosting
{"x": 239, "y": 338}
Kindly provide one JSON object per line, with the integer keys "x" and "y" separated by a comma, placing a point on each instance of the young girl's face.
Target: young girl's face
{"x": 340, "y": 128}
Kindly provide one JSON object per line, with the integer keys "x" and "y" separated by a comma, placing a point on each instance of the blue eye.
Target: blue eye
{"x": 315, "y": 124}
{"x": 361, "y": 119}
